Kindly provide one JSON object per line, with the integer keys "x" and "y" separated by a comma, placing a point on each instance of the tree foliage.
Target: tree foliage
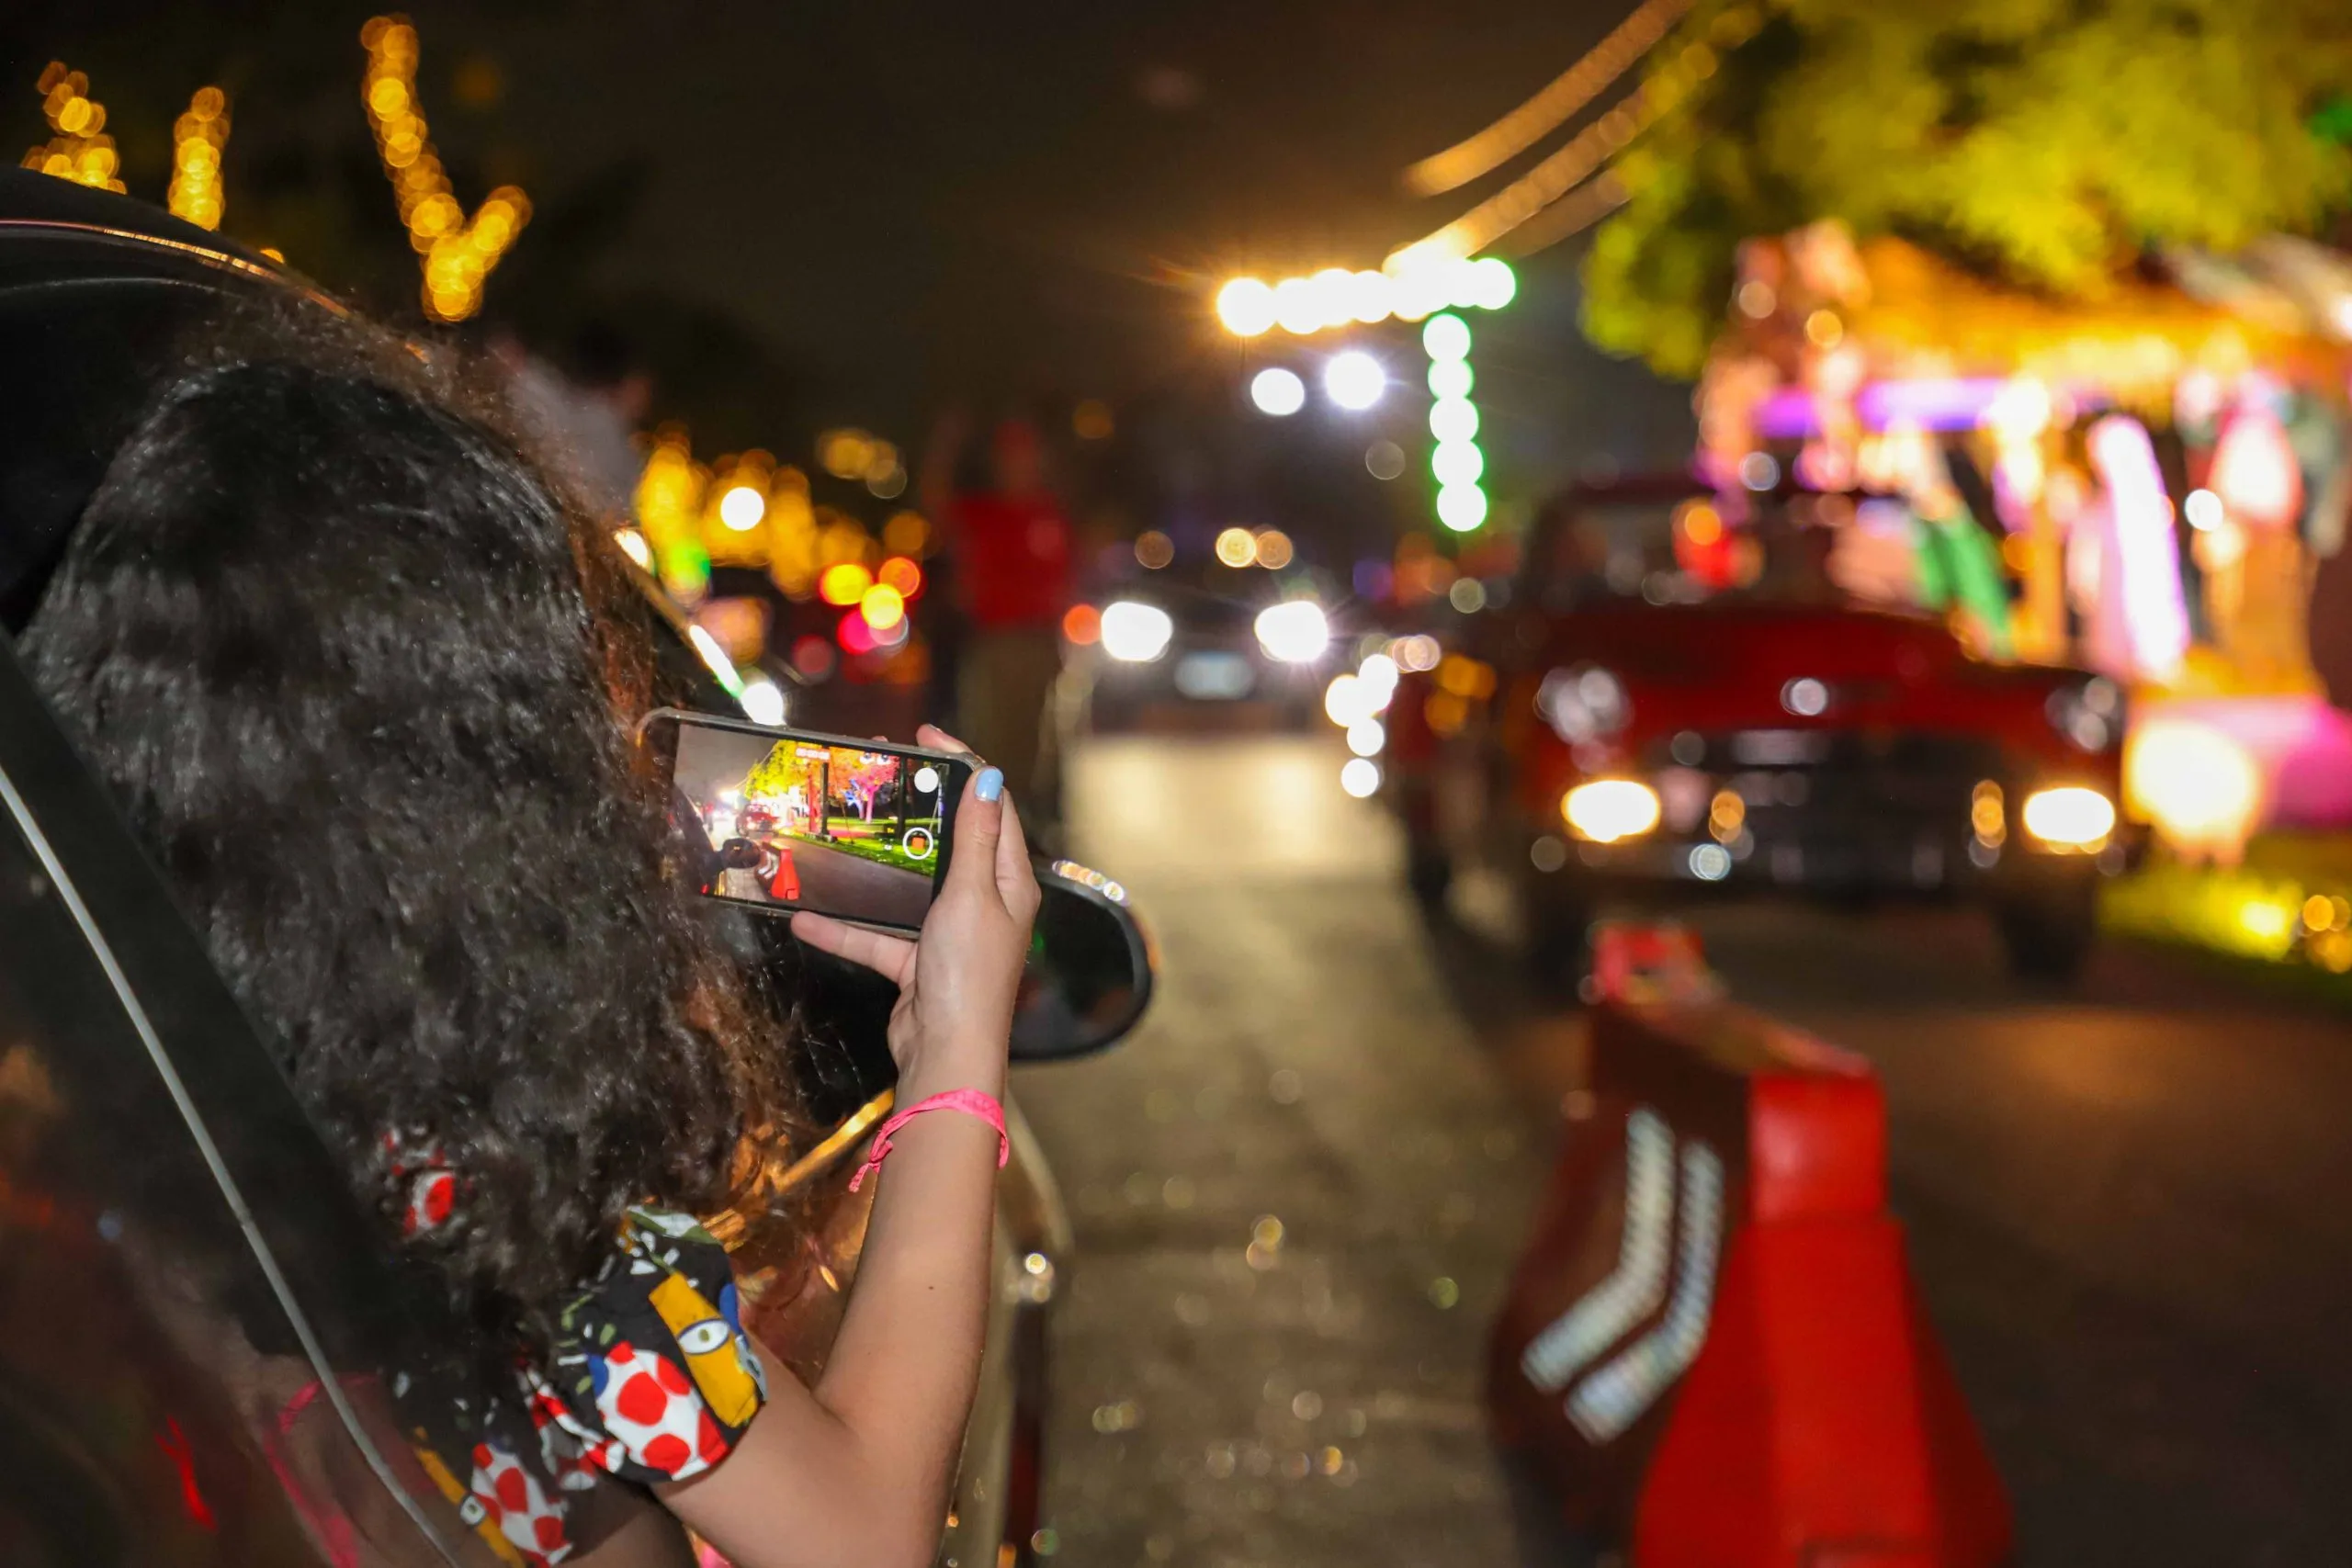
{"x": 780, "y": 775}
{"x": 2048, "y": 143}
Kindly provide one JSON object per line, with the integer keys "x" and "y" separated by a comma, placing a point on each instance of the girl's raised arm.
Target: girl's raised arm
{"x": 858, "y": 1469}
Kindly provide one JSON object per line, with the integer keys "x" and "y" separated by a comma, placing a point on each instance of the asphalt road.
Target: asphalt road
{"x": 2124, "y": 1203}
{"x": 839, "y": 882}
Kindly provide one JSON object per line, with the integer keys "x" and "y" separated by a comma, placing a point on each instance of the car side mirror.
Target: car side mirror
{"x": 1091, "y": 967}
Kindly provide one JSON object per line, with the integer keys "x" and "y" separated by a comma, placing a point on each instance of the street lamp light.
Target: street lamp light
{"x": 1246, "y": 306}
{"x": 1354, "y": 380}
{"x": 1277, "y": 391}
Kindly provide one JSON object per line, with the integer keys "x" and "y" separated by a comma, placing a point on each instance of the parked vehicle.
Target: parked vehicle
{"x": 1614, "y": 732}
{"x": 197, "y": 1312}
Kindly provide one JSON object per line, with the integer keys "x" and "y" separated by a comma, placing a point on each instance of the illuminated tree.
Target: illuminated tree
{"x": 2042, "y": 142}
{"x": 861, "y": 779}
{"x": 780, "y": 775}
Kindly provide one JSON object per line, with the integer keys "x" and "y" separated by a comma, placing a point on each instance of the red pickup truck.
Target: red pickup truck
{"x": 1610, "y": 730}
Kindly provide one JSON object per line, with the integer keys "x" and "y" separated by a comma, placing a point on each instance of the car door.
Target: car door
{"x": 195, "y": 1320}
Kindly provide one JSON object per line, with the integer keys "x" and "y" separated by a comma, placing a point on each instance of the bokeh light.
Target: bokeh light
{"x": 1492, "y": 284}
{"x": 883, "y": 607}
{"x": 1454, "y": 419}
{"x": 1295, "y": 309}
{"x": 1273, "y": 550}
{"x": 1277, "y": 391}
{"x": 1360, "y": 777}
{"x": 1246, "y": 306}
{"x": 1334, "y": 291}
{"x": 1136, "y": 634}
{"x": 1083, "y": 626}
{"x": 459, "y": 253}
{"x": 1383, "y": 459}
{"x": 1295, "y": 631}
{"x": 1457, "y": 463}
{"x": 844, "y": 584}
{"x": 763, "y": 701}
{"x": 1461, "y": 507}
{"x": 1446, "y": 337}
{"x": 1236, "y": 547}
{"x": 1450, "y": 378}
{"x": 742, "y": 508}
{"x": 1354, "y": 379}
{"x": 1154, "y": 550}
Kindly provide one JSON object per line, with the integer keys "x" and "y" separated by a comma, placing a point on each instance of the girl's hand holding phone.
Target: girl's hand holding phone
{"x": 863, "y": 1463}
{"x": 959, "y": 978}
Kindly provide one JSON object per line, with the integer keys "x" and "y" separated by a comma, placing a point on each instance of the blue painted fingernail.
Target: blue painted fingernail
{"x": 989, "y": 784}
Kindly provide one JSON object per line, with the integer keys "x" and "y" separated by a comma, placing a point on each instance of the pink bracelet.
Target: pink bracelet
{"x": 970, "y": 1101}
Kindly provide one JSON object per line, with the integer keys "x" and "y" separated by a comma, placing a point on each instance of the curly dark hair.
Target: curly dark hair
{"x": 335, "y": 644}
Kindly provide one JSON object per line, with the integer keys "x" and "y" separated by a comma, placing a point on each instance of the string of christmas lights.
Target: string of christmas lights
{"x": 197, "y": 139}
{"x": 81, "y": 151}
{"x": 459, "y": 253}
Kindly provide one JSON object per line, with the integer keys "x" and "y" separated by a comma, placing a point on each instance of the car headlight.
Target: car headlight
{"x": 1586, "y": 702}
{"x": 2089, "y": 713}
{"x": 2069, "y": 818}
{"x": 1295, "y": 631}
{"x": 1606, "y": 810}
{"x": 1136, "y": 634}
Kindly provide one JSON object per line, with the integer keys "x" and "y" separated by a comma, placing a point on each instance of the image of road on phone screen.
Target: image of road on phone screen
{"x": 800, "y": 825}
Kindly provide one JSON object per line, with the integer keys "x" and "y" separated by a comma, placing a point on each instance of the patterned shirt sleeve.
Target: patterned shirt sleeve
{"x": 652, "y": 1370}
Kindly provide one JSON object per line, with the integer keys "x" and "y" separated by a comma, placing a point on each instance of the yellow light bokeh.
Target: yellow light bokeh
{"x": 1606, "y": 811}
{"x": 1296, "y": 310}
{"x": 80, "y": 150}
{"x": 1236, "y": 547}
{"x": 882, "y": 605}
{"x": 1272, "y": 549}
{"x": 844, "y": 584}
{"x": 2070, "y": 817}
{"x": 2200, "y": 787}
{"x": 457, "y": 253}
{"x": 1245, "y": 307}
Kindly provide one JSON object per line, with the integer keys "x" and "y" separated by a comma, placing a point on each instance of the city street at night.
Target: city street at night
{"x": 2115, "y": 1198}
{"x": 1678, "y": 678}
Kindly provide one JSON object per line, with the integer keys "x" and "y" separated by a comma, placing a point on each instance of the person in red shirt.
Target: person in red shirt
{"x": 1011, "y": 548}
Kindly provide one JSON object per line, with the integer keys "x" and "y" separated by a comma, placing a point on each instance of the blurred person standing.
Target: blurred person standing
{"x": 1010, "y": 543}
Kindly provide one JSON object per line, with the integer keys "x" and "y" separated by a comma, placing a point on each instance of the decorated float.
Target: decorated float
{"x": 2154, "y": 484}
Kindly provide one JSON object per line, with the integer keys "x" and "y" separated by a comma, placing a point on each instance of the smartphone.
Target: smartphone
{"x": 783, "y": 820}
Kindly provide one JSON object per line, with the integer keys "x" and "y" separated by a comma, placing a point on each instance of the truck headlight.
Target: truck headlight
{"x": 2069, "y": 818}
{"x": 1295, "y": 631}
{"x": 1136, "y": 634}
{"x": 1606, "y": 810}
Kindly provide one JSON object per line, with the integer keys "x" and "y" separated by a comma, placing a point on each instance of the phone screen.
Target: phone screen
{"x": 782, "y": 820}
